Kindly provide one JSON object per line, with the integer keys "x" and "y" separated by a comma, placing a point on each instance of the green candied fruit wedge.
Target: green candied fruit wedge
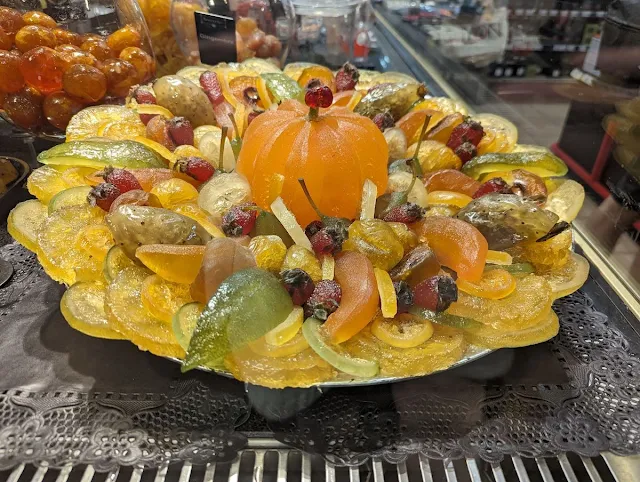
{"x": 397, "y": 98}
{"x": 283, "y": 87}
{"x": 267, "y": 224}
{"x": 185, "y": 321}
{"x": 73, "y": 196}
{"x": 246, "y": 306}
{"x": 542, "y": 163}
{"x": 334, "y": 355}
{"x": 515, "y": 268}
{"x": 99, "y": 154}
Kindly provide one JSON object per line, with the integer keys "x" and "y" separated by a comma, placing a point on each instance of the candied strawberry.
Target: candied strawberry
{"x": 497, "y": 185}
{"x": 466, "y": 151}
{"x": 124, "y": 180}
{"x": 383, "y": 120}
{"x": 324, "y": 300}
{"x": 404, "y": 213}
{"x": 196, "y": 167}
{"x": 298, "y": 284}
{"x": 239, "y": 220}
{"x": 469, "y": 131}
{"x": 103, "y": 195}
{"x": 347, "y": 77}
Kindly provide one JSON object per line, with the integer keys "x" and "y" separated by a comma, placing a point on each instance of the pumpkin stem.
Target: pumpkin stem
{"x": 313, "y": 113}
{"x": 310, "y": 199}
{"x": 417, "y": 168}
{"x": 223, "y": 141}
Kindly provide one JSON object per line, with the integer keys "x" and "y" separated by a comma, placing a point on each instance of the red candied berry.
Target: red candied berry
{"x": 405, "y": 213}
{"x": 318, "y": 96}
{"x": 469, "y": 131}
{"x": 144, "y": 96}
{"x": 103, "y": 195}
{"x": 181, "y": 131}
{"x": 384, "y": 120}
{"x": 495, "y": 185}
{"x": 239, "y": 220}
{"x": 313, "y": 227}
{"x": 196, "y": 167}
{"x": 120, "y": 178}
{"x": 298, "y": 284}
{"x": 436, "y": 293}
{"x": 329, "y": 239}
{"x": 324, "y": 300}
{"x": 404, "y": 295}
{"x": 466, "y": 151}
{"x": 347, "y": 77}
{"x": 211, "y": 86}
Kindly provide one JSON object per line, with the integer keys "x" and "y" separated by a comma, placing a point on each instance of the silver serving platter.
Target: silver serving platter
{"x": 472, "y": 354}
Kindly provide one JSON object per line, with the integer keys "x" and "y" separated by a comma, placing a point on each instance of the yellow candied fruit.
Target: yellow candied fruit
{"x": 95, "y": 239}
{"x": 546, "y": 255}
{"x": 408, "y": 238}
{"x": 299, "y": 257}
{"x": 269, "y": 252}
{"x": 174, "y": 191}
{"x": 163, "y": 298}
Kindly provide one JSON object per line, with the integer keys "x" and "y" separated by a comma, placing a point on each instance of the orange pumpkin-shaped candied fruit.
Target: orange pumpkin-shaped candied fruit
{"x": 335, "y": 152}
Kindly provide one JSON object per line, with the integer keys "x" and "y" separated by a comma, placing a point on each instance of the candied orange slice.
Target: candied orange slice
{"x": 179, "y": 264}
{"x": 506, "y": 134}
{"x": 152, "y": 109}
{"x": 320, "y": 72}
{"x": 494, "y": 285}
{"x": 86, "y": 123}
{"x": 451, "y": 180}
{"x": 412, "y": 122}
{"x": 78, "y": 176}
{"x": 163, "y": 298}
{"x": 388, "y": 299}
{"x": 403, "y": 331}
{"x": 121, "y": 130}
{"x": 342, "y": 98}
{"x": 24, "y": 222}
{"x": 434, "y": 156}
{"x": 174, "y": 191}
{"x": 354, "y": 273}
{"x": 169, "y": 156}
{"x": 188, "y": 151}
{"x": 45, "y": 182}
{"x": 286, "y": 330}
{"x": 442, "y": 104}
{"x": 450, "y": 198}
{"x": 457, "y": 245}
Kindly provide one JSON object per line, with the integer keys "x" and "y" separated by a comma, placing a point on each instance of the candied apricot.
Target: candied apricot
{"x": 143, "y": 62}
{"x": 6, "y": 39}
{"x": 121, "y": 76}
{"x": 77, "y": 57}
{"x": 33, "y": 36}
{"x": 411, "y": 123}
{"x": 24, "y": 108}
{"x": 59, "y": 108}
{"x": 85, "y": 82}
{"x": 10, "y": 20}
{"x": 127, "y": 36}
{"x": 98, "y": 48}
{"x": 11, "y": 79}
{"x": 67, "y": 37}
{"x": 458, "y": 245}
{"x": 39, "y": 18}
{"x": 42, "y": 68}
{"x": 451, "y": 180}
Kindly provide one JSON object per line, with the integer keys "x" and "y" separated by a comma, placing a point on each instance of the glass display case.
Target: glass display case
{"x": 87, "y": 394}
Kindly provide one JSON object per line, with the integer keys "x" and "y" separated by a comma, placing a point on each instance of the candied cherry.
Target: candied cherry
{"x": 6, "y": 39}
{"x": 10, "y": 20}
{"x": 121, "y": 76}
{"x": 11, "y": 79}
{"x": 255, "y": 40}
{"x": 67, "y": 37}
{"x": 59, "y": 107}
{"x": 324, "y": 300}
{"x": 103, "y": 195}
{"x": 274, "y": 44}
{"x": 141, "y": 60}
{"x": 384, "y": 120}
{"x": 318, "y": 96}
{"x": 127, "y": 36}
{"x": 85, "y": 82}
{"x": 77, "y": 57}
{"x": 468, "y": 131}
{"x": 195, "y": 167}
{"x": 298, "y": 284}
{"x": 124, "y": 180}
{"x": 39, "y": 18}
{"x": 33, "y": 36}
{"x": 24, "y": 108}
{"x": 43, "y": 68}
{"x": 98, "y": 48}
{"x": 144, "y": 96}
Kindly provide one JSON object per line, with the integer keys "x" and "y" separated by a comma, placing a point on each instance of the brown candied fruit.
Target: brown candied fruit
{"x": 143, "y": 62}
{"x": 58, "y": 109}
{"x": 245, "y": 26}
{"x": 127, "y": 36}
{"x": 78, "y": 57}
{"x": 42, "y": 68}
{"x": 24, "y": 108}
{"x": 85, "y": 83}
{"x": 64, "y": 36}
{"x": 98, "y": 48}
{"x": 39, "y": 18}
{"x": 10, "y": 20}
{"x": 121, "y": 76}
{"x": 11, "y": 80}
{"x": 32, "y": 36}
{"x": 6, "y": 39}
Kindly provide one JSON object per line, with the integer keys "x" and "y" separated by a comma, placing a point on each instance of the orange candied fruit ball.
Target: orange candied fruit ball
{"x": 121, "y": 76}
{"x": 6, "y": 39}
{"x": 245, "y": 26}
{"x": 127, "y": 36}
{"x": 33, "y": 36}
{"x": 11, "y": 80}
{"x": 39, "y": 18}
{"x": 63, "y": 48}
{"x": 98, "y": 48}
{"x": 10, "y": 20}
{"x": 42, "y": 68}
{"x": 64, "y": 36}
{"x": 24, "y": 108}
{"x": 85, "y": 83}
{"x": 143, "y": 62}
{"x": 59, "y": 107}
{"x": 78, "y": 57}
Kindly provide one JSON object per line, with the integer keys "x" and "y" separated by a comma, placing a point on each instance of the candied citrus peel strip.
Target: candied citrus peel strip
{"x": 286, "y": 330}
{"x": 369, "y": 195}
{"x": 355, "y": 100}
{"x": 388, "y": 300}
{"x": 290, "y": 223}
{"x": 328, "y": 267}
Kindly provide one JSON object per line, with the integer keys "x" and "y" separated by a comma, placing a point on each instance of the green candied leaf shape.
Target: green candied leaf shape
{"x": 283, "y": 87}
{"x": 100, "y": 154}
{"x": 247, "y": 305}
{"x": 542, "y": 163}
{"x": 268, "y": 224}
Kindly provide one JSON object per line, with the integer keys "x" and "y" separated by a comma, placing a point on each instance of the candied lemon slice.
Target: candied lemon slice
{"x": 403, "y": 331}
{"x": 499, "y": 258}
{"x": 114, "y": 262}
{"x": 505, "y": 132}
{"x": 24, "y": 222}
{"x": 388, "y": 300}
{"x": 369, "y": 196}
{"x": 96, "y": 240}
{"x": 290, "y": 223}
{"x": 566, "y": 200}
{"x": 545, "y": 328}
{"x": 78, "y": 176}
{"x": 195, "y": 212}
{"x": 127, "y": 314}
{"x": 74, "y": 196}
{"x": 163, "y": 298}
{"x": 185, "y": 321}
{"x": 286, "y": 330}
{"x": 174, "y": 191}
{"x": 294, "y": 346}
{"x": 82, "y": 306}
{"x": 570, "y": 277}
{"x": 56, "y": 250}
{"x": 495, "y": 284}
{"x": 179, "y": 264}
{"x": 449, "y": 198}
{"x": 45, "y": 182}
{"x": 86, "y": 123}
{"x": 328, "y": 267}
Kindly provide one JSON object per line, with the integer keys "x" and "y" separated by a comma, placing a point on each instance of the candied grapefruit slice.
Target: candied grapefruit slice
{"x": 545, "y": 328}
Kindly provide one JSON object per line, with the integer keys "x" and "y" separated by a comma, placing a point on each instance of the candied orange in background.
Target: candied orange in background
{"x": 24, "y": 108}
{"x": 6, "y": 39}
{"x": 35, "y": 17}
{"x": 10, "y": 20}
{"x": 33, "y": 36}
{"x": 59, "y": 108}
{"x": 85, "y": 83}
{"x": 10, "y": 75}
{"x": 127, "y": 36}
{"x": 43, "y": 68}
{"x": 143, "y": 62}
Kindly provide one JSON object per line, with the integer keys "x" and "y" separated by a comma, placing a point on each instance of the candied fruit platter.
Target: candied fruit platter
{"x": 299, "y": 227}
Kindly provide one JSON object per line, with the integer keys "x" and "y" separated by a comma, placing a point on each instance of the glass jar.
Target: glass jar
{"x": 59, "y": 58}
